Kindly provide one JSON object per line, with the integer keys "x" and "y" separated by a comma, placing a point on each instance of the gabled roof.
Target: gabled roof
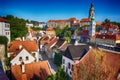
{"x": 59, "y": 43}
{"x": 76, "y": 52}
{"x": 21, "y": 53}
{"x": 28, "y": 45}
{"x": 36, "y": 70}
{"x": 52, "y": 42}
{"x": 3, "y": 20}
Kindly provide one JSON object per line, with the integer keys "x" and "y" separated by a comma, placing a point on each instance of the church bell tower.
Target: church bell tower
{"x": 92, "y": 21}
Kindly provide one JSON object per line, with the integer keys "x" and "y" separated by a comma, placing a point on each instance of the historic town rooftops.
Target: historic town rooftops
{"x": 28, "y": 45}
{"x": 69, "y": 20}
{"x": 59, "y": 43}
{"x": 107, "y": 36}
{"x": 85, "y": 20}
{"x": 110, "y": 62}
{"x": 53, "y": 41}
{"x": 76, "y": 52}
{"x": 36, "y": 70}
{"x": 84, "y": 32}
{"x": 3, "y": 20}
{"x": 109, "y": 25}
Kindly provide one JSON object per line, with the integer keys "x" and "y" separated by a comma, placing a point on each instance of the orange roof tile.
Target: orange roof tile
{"x": 36, "y": 70}
{"x": 110, "y": 62}
{"x": 3, "y": 20}
{"x": 109, "y": 25}
{"x": 28, "y": 45}
{"x": 52, "y": 42}
{"x": 108, "y": 36}
{"x": 69, "y": 20}
{"x": 84, "y": 32}
{"x": 98, "y": 24}
{"x": 45, "y": 40}
{"x": 50, "y": 29}
{"x": 85, "y": 20}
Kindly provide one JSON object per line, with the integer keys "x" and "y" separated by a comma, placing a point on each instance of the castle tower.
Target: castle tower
{"x": 91, "y": 11}
{"x": 92, "y": 21}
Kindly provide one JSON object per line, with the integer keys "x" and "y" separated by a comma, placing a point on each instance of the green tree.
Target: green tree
{"x": 58, "y": 59}
{"x": 60, "y": 75}
{"x": 98, "y": 28}
{"x": 17, "y": 26}
{"x": 36, "y": 28}
{"x": 93, "y": 70}
{"x": 59, "y": 32}
{"x": 4, "y": 40}
{"x": 106, "y": 21}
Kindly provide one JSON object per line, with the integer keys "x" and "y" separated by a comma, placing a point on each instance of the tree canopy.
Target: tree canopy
{"x": 60, "y": 75}
{"x": 36, "y": 28}
{"x": 17, "y": 26}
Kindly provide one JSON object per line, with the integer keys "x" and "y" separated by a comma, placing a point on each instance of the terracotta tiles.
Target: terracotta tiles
{"x": 69, "y": 20}
{"x": 36, "y": 70}
{"x": 110, "y": 62}
{"x": 28, "y": 45}
{"x": 85, "y": 20}
{"x": 3, "y": 20}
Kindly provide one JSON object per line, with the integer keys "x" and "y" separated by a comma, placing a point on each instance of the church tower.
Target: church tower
{"x": 92, "y": 21}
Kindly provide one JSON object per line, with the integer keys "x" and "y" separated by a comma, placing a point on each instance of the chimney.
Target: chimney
{"x": 90, "y": 47}
{"x": 76, "y": 42}
{"x": 23, "y": 67}
{"x": 20, "y": 46}
{"x": 23, "y": 38}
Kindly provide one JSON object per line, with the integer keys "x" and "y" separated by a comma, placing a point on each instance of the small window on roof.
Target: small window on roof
{"x": 20, "y": 58}
{"x": 27, "y": 58}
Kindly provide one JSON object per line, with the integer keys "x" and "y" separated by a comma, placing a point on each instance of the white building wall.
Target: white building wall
{"x": 36, "y": 56}
{"x": 65, "y": 65}
{"x": 5, "y": 30}
{"x": 23, "y": 54}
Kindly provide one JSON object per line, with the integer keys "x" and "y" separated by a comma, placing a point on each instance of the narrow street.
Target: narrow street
{"x": 53, "y": 67}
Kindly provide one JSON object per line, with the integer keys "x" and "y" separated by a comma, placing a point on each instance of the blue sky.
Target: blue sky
{"x": 44, "y": 10}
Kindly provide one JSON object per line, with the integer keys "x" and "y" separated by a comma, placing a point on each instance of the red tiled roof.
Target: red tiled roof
{"x": 84, "y": 32}
{"x": 110, "y": 62}
{"x": 85, "y": 20}
{"x": 98, "y": 24}
{"x": 69, "y": 20}
{"x": 109, "y": 25}
{"x": 3, "y": 20}
{"x": 50, "y": 29}
{"x": 36, "y": 70}
{"x": 108, "y": 36}
{"x": 28, "y": 45}
{"x": 52, "y": 42}
{"x": 45, "y": 40}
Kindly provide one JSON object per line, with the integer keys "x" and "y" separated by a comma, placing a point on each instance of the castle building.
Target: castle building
{"x": 61, "y": 23}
